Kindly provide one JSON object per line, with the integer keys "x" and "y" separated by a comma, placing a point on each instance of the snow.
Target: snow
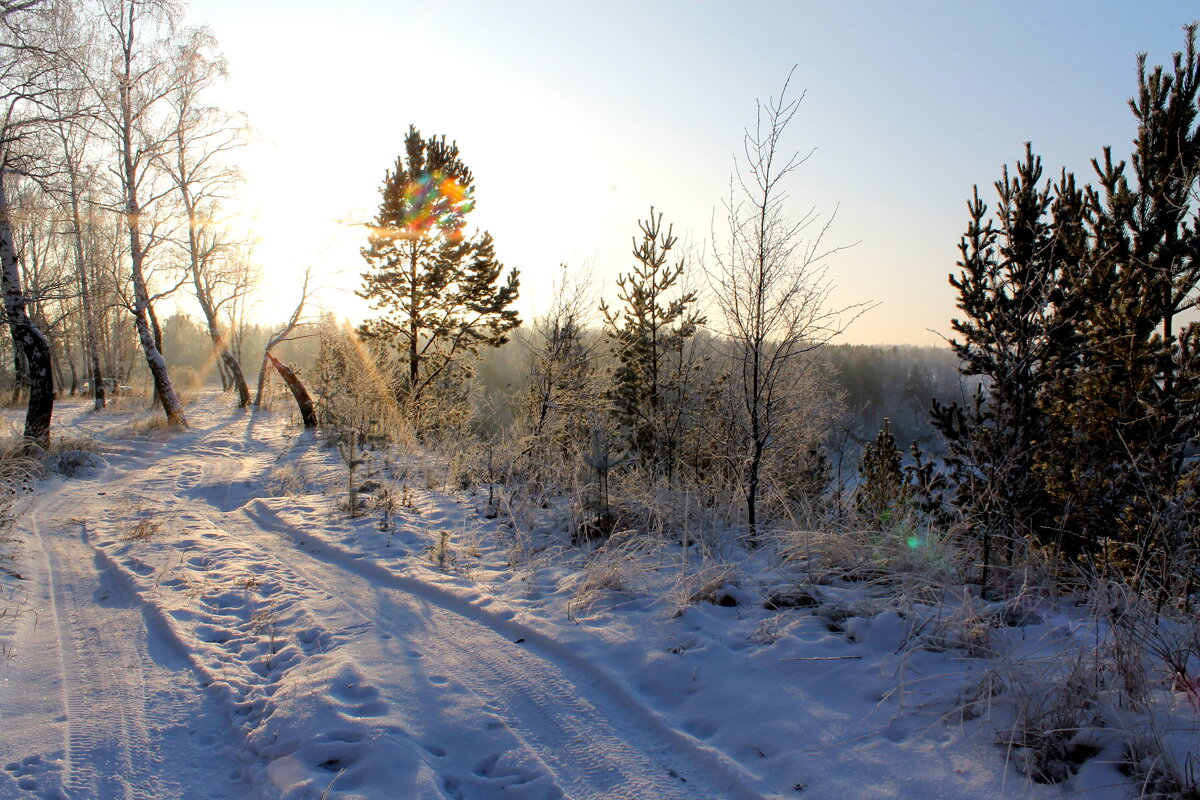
{"x": 196, "y": 616}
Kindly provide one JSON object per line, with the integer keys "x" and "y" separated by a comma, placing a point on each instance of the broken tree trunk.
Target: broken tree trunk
{"x": 303, "y": 400}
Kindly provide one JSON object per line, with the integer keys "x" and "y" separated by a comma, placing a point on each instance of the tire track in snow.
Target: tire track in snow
{"x": 32, "y": 736}
{"x": 105, "y": 690}
{"x": 595, "y": 739}
{"x": 137, "y": 725}
{"x": 532, "y": 722}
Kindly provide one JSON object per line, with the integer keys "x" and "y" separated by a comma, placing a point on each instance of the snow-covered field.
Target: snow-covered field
{"x": 195, "y": 615}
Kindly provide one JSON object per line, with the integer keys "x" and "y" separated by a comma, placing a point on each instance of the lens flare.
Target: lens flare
{"x": 436, "y": 203}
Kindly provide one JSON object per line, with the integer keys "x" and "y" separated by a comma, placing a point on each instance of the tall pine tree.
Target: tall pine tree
{"x": 1074, "y": 313}
{"x": 1010, "y": 290}
{"x": 440, "y": 291}
{"x": 650, "y": 334}
{"x": 1130, "y": 404}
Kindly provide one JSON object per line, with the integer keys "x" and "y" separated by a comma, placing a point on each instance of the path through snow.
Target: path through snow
{"x": 204, "y": 645}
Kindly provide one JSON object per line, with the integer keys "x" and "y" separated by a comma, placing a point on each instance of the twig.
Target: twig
{"x": 329, "y": 788}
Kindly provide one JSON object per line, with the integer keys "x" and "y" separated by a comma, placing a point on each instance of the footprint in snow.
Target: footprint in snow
{"x": 26, "y": 772}
{"x": 360, "y": 699}
{"x": 495, "y": 772}
{"x": 313, "y": 640}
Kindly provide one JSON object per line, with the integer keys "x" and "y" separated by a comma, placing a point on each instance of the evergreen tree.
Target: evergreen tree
{"x": 881, "y": 479}
{"x": 650, "y": 335}
{"x": 1130, "y": 403}
{"x": 1012, "y": 290}
{"x": 924, "y": 486}
{"x": 1073, "y": 310}
{"x": 438, "y": 289}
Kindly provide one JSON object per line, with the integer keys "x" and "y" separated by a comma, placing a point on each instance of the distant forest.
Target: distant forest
{"x": 873, "y": 382}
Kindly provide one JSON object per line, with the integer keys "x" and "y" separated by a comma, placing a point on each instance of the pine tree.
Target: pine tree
{"x": 881, "y": 479}
{"x": 650, "y": 334}
{"x": 1074, "y": 314}
{"x": 1130, "y": 403}
{"x": 924, "y": 486}
{"x": 438, "y": 289}
{"x": 1011, "y": 290}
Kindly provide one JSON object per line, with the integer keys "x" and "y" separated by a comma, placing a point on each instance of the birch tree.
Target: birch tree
{"x": 26, "y": 68}
{"x": 771, "y": 289}
{"x": 201, "y": 137}
{"x": 139, "y": 82}
{"x": 72, "y": 132}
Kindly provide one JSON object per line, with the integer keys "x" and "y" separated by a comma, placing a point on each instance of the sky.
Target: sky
{"x": 576, "y": 118}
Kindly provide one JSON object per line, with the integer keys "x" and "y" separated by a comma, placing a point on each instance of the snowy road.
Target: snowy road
{"x": 545, "y": 717}
{"x": 136, "y": 724}
{"x": 207, "y": 645}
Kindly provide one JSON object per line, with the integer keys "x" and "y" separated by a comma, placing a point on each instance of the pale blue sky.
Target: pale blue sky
{"x": 576, "y": 117}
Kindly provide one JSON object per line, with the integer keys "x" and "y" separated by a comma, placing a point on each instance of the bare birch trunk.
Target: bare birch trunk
{"x": 26, "y": 335}
{"x": 20, "y": 373}
{"x": 280, "y": 336}
{"x": 163, "y": 389}
{"x": 228, "y": 360}
{"x": 204, "y": 296}
{"x": 262, "y": 380}
{"x": 85, "y": 296}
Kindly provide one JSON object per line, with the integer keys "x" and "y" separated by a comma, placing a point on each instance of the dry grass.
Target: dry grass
{"x": 288, "y": 479}
{"x": 74, "y": 442}
{"x": 619, "y": 564}
{"x": 17, "y": 474}
{"x": 1160, "y": 772}
{"x": 1056, "y": 703}
{"x": 706, "y": 584}
{"x": 150, "y": 423}
{"x": 142, "y": 530}
{"x": 1119, "y": 680}
{"x": 72, "y": 454}
{"x": 129, "y": 401}
{"x": 142, "y": 524}
{"x": 918, "y": 561}
{"x": 14, "y": 606}
{"x": 965, "y": 626}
